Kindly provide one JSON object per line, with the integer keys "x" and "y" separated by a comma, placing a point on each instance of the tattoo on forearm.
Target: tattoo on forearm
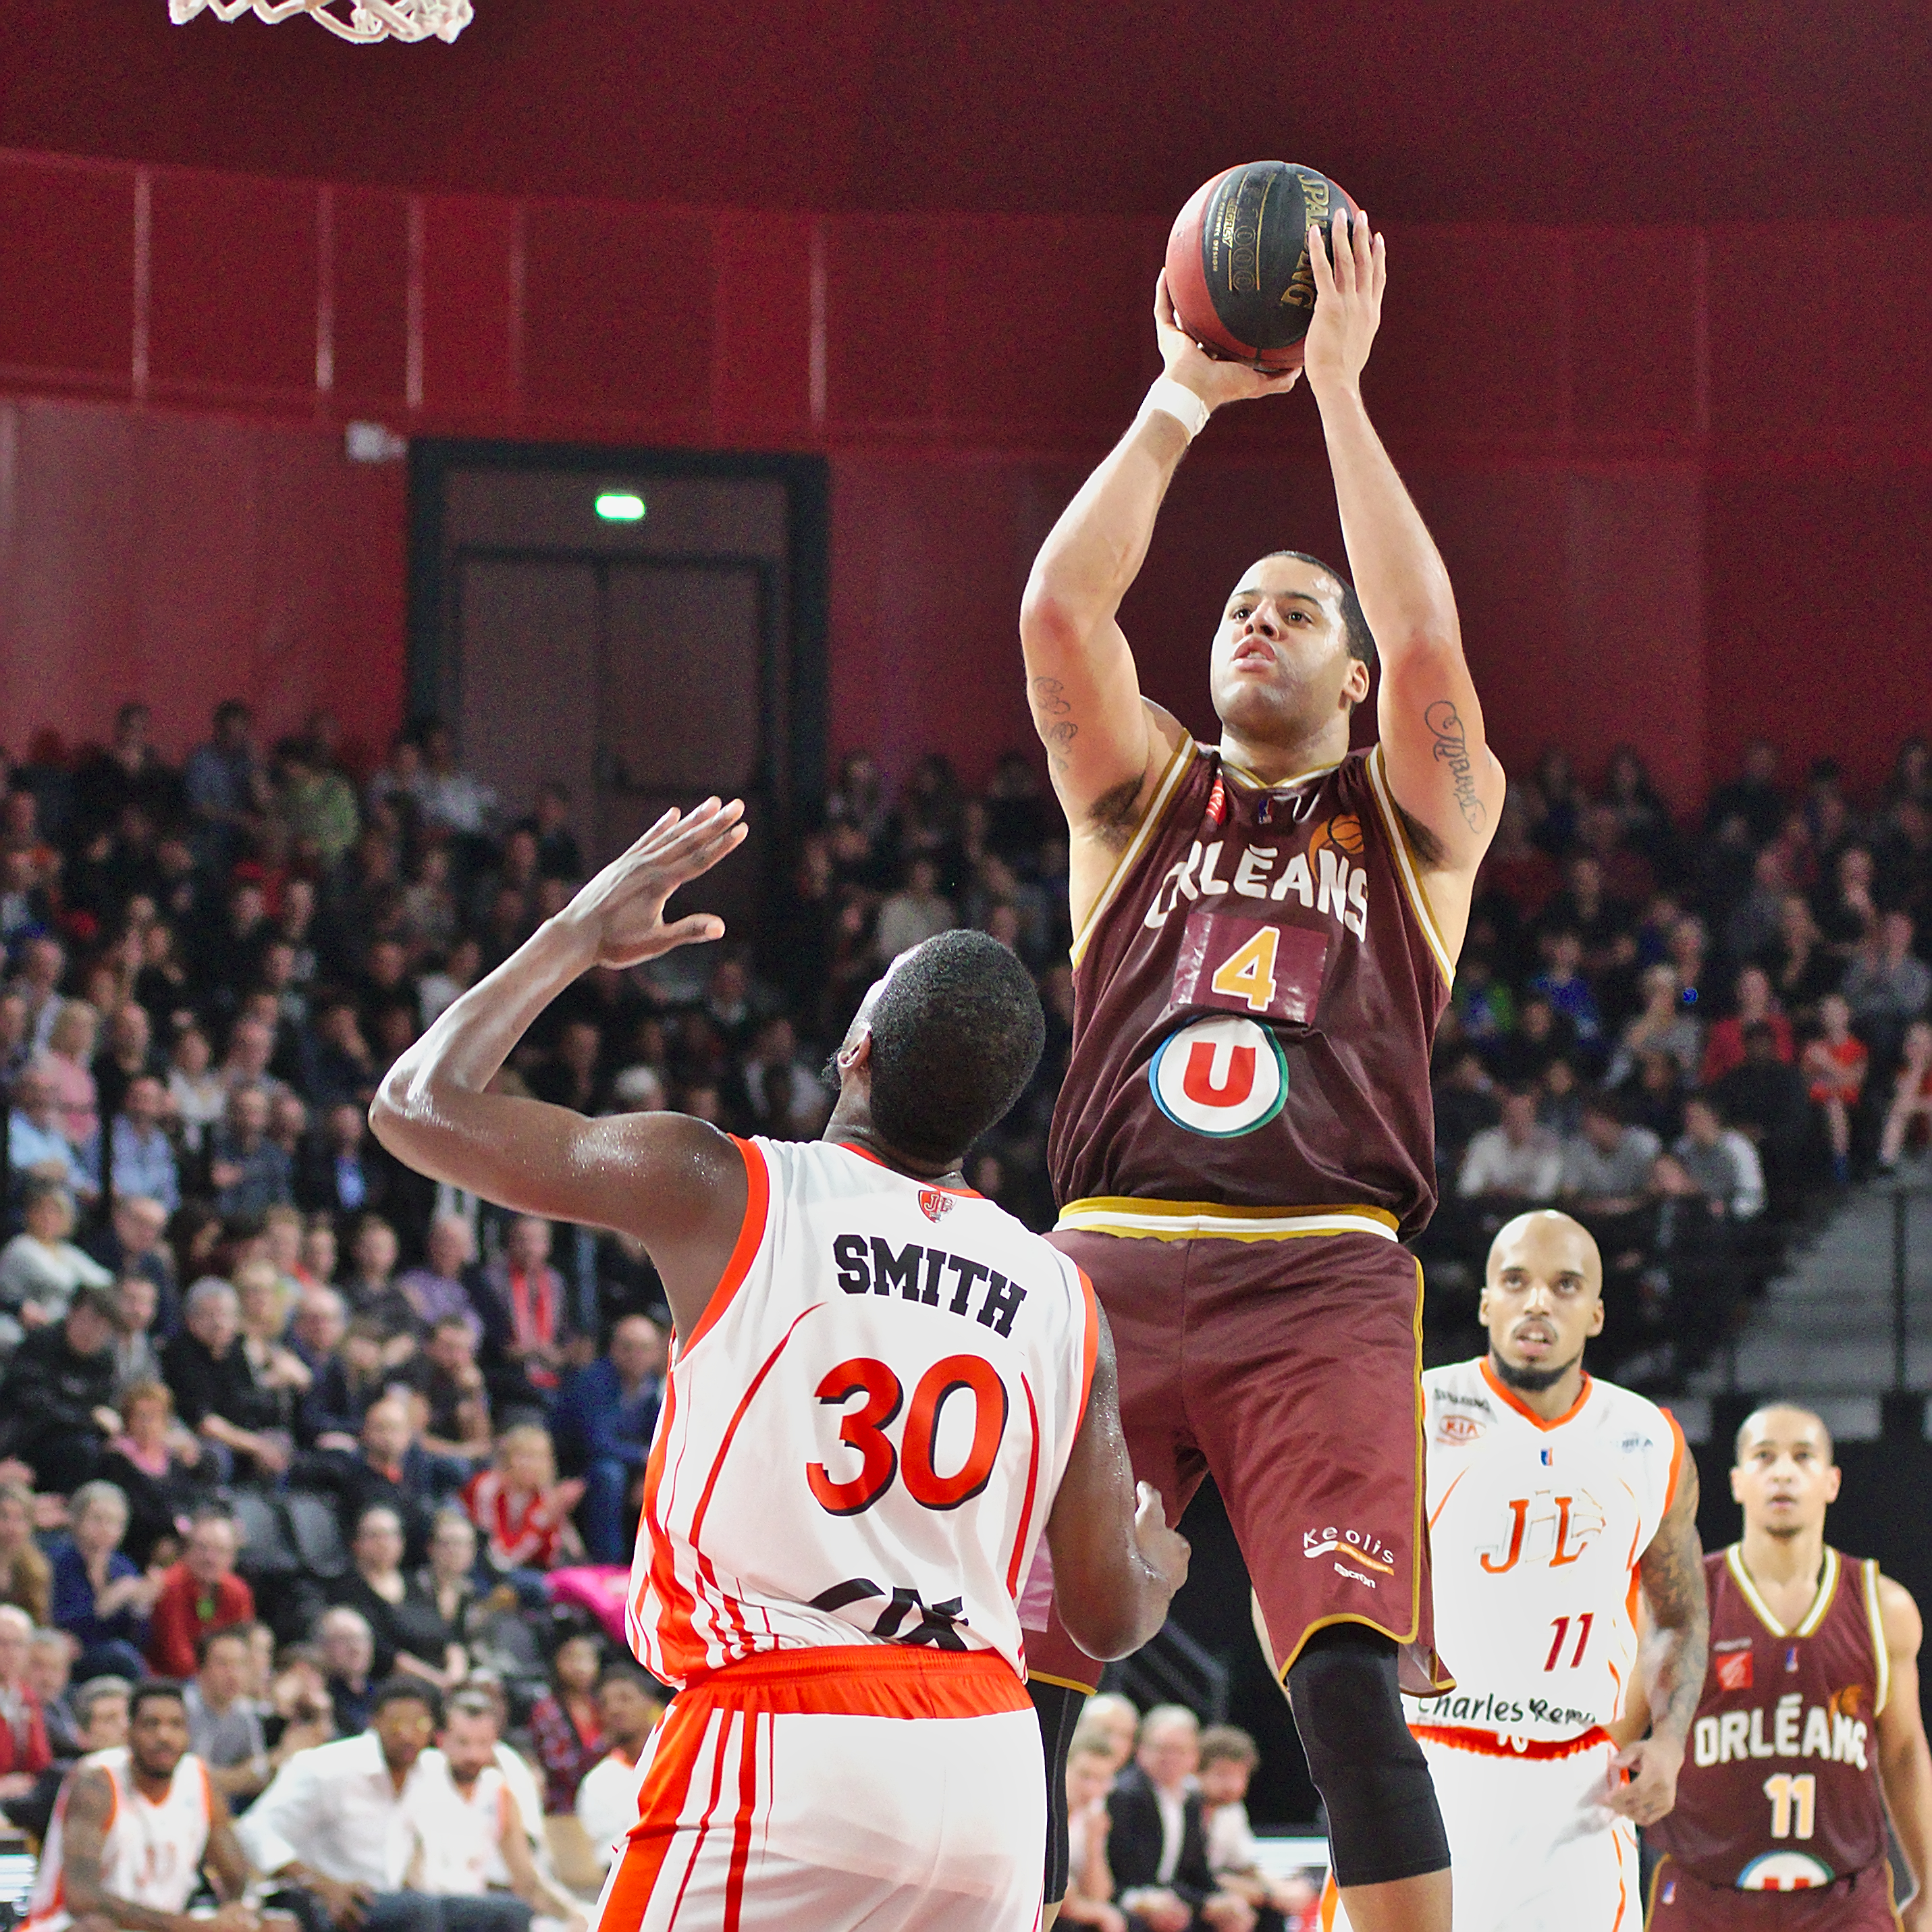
{"x": 1051, "y": 706}
{"x": 1673, "y": 1571}
{"x": 1452, "y": 749}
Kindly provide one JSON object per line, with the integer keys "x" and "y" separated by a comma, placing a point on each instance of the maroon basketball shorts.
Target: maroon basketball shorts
{"x": 1287, "y": 1368}
{"x": 1861, "y": 1903}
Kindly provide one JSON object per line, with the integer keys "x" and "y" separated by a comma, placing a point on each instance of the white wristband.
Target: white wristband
{"x": 1178, "y": 400}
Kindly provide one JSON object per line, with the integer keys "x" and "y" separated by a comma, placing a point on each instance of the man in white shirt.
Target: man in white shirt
{"x": 1517, "y": 1160}
{"x": 1722, "y": 1163}
{"x": 468, "y": 1826}
{"x": 627, "y": 1707}
{"x": 336, "y": 1829}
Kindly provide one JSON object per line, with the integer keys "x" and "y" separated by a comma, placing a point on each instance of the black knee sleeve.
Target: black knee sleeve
{"x": 1058, "y": 1707}
{"x": 1383, "y": 1821}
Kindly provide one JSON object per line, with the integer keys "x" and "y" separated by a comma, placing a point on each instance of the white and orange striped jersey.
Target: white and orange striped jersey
{"x": 151, "y": 1854}
{"x": 1535, "y": 1532}
{"x": 861, "y": 1439}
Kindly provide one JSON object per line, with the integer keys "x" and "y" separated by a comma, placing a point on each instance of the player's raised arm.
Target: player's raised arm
{"x": 1672, "y": 1659}
{"x": 1440, "y": 767}
{"x": 1105, "y": 743}
{"x": 1904, "y": 1763}
{"x": 1116, "y": 1565}
{"x": 677, "y": 1184}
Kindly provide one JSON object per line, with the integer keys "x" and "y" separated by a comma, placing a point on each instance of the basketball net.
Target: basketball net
{"x": 368, "y": 21}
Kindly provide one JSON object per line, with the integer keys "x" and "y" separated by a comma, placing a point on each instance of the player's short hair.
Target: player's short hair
{"x": 409, "y": 1690}
{"x": 1360, "y": 639}
{"x": 957, "y": 1031}
{"x": 1797, "y": 1408}
{"x": 155, "y": 1691}
{"x": 1230, "y": 1744}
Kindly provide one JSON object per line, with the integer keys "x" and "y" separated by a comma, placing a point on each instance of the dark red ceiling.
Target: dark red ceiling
{"x": 1620, "y": 111}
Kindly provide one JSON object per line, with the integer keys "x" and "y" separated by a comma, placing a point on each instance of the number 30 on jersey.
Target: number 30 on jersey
{"x": 914, "y": 1460}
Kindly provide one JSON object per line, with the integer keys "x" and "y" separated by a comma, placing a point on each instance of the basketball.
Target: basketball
{"x": 1237, "y": 264}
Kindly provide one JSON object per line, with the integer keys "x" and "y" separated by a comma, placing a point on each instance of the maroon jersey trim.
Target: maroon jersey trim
{"x": 1183, "y": 756}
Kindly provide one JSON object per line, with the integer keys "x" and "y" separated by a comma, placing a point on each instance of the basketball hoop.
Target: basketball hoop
{"x": 369, "y": 20}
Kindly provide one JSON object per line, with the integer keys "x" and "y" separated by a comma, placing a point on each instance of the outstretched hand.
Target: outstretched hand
{"x": 620, "y": 912}
{"x": 1213, "y": 379}
{"x": 1347, "y": 303}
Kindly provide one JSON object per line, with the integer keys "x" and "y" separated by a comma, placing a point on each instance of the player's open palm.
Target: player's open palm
{"x": 621, "y": 911}
{"x": 1347, "y": 302}
{"x": 1649, "y": 1767}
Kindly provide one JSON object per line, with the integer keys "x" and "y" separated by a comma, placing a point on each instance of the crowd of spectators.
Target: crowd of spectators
{"x": 1689, "y": 1034}
{"x": 256, "y": 1376}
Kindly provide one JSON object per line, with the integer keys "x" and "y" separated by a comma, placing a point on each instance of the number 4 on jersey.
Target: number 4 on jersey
{"x": 1248, "y": 972}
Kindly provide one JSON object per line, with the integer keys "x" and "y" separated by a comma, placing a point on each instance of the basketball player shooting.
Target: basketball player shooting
{"x": 1809, "y": 1730}
{"x": 1265, "y": 929}
{"x": 883, "y": 1387}
{"x": 1553, "y": 1497}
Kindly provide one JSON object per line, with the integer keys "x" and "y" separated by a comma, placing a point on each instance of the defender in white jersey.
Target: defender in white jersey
{"x": 1554, "y": 1500}
{"x": 884, "y": 1388}
{"x": 132, "y": 1832}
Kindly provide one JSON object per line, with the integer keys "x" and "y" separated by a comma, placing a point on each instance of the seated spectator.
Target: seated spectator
{"x": 1161, "y": 1778}
{"x": 1563, "y": 984}
{"x": 58, "y": 1394}
{"x": 197, "y": 1595}
{"x": 1559, "y": 1106}
{"x": 40, "y": 1268}
{"x": 1722, "y": 1165}
{"x": 1887, "y": 987}
{"x": 1113, "y": 1720}
{"x": 1228, "y": 1757}
{"x": 331, "y": 1415}
{"x": 342, "y": 1071}
{"x": 392, "y": 1470}
{"x": 1755, "y": 1006}
{"x": 344, "y": 1174}
{"x": 469, "y": 1827}
{"x": 1910, "y": 1112}
{"x": 915, "y": 912}
{"x": 410, "y": 1637}
{"x": 135, "y": 1156}
{"x": 1606, "y": 1167}
{"x": 224, "y": 1727}
{"x": 335, "y": 1830}
{"x": 288, "y": 1128}
{"x": 1090, "y": 1880}
{"x": 1767, "y": 1100}
{"x": 1515, "y": 1160}
{"x": 249, "y": 1171}
{"x": 134, "y": 1243}
{"x": 628, "y": 1706}
{"x": 1835, "y": 1063}
{"x": 1543, "y": 1034}
{"x": 347, "y": 1646}
{"x": 25, "y": 1752}
{"x": 1465, "y": 1104}
{"x": 449, "y": 1580}
{"x": 1485, "y": 1008}
{"x": 1803, "y": 968}
{"x": 279, "y": 1372}
{"x": 101, "y": 1598}
{"x": 1654, "y": 1097}
{"x": 135, "y": 1305}
{"x": 527, "y": 1319}
{"x": 50, "y": 1671}
{"x": 457, "y": 1402}
{"x": 158, "y": 1467}
{"x": 605, "y": 1420}
{"x": 101, "y": 1713}
{"x": 1664, "y": 1025}
{"x": 197, "y": 1095}
{"x": 440, "y": 1287}
{"x": 281, "y": 1249}
{"x": 566, "y": 1733}
{"x": 67, "y": 1064}
{"x": 215, "y": 1392}
{"x": 786, "y": 1099}
{"x": 128, "y": 1056}
{"x": 371, "y": 1291}
{"x": 297, "y": 1714}
{"x": 520, "y": 1510}
{"x": 319, "y": 1255}
{"x": 25, "y": 1575}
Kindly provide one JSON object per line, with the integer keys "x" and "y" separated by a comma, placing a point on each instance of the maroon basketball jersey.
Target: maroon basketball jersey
{"x": 1254, "y": 994}
{"x": 1780, "y": 1788}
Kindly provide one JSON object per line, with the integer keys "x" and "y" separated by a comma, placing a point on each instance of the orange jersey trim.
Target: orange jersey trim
{"x": 1676, "y": 1460}
{"x": 751, "y": 1233}
{"x": 866, "y": 1680}
{"x": 1487, "y": 1744}
{"x": 1504, "y": 1393}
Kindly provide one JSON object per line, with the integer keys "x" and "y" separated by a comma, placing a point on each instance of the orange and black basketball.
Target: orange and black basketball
{"x": 1237, "y": 260}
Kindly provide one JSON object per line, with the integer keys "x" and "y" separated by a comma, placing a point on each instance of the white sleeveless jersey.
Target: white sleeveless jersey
{"x": 861, "y": 1441}
{"x": 151, "y": 1854}
{"x": 1536, "y": 1529}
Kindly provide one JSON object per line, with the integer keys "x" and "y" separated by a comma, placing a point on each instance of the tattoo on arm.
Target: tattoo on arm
{"x": 1452, "y": 749}
{"x": 1678, "y": 1648}
{"x": 1051, "y": 706}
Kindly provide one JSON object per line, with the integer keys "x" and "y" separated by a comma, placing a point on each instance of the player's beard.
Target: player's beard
{"x": 1532, "y": 1382}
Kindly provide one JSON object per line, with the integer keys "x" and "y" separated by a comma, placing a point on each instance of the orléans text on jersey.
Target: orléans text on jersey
{"x": 869, "y": 1266}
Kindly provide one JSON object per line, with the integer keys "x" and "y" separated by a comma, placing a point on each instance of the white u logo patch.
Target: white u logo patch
{"x": 1223, "y": 1076}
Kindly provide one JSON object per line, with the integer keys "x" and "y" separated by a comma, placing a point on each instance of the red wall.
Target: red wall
{"x": 1679, "y": 473}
